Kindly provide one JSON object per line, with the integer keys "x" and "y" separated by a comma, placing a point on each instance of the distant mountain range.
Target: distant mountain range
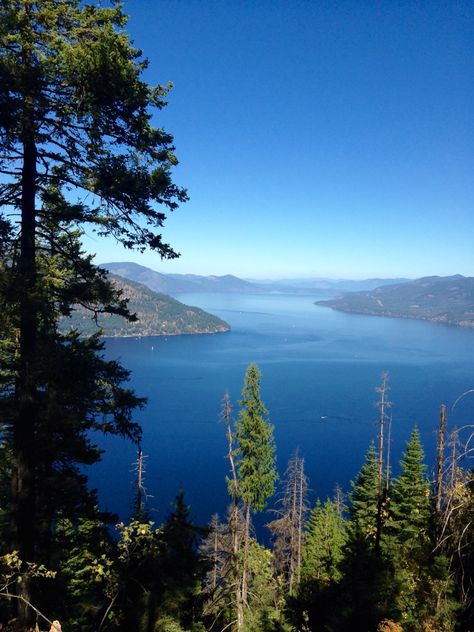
{"x": 448, "y": 300}
{"x": 321, "y": 284}
{"x": 184, "y": 283}
{"x": 180, "y": 283}
{"x": 158, "y": 315}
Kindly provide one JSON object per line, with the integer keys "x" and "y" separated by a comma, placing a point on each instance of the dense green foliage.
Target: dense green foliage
{"x": 256, "y": 448}
{"x": 77, "y": 148}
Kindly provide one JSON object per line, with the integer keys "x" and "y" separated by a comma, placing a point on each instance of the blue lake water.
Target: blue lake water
{"x": 319, "y": 369}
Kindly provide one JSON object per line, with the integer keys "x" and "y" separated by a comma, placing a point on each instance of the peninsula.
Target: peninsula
{"x": 448, "y": 300}
{"x": 157, "y": 315}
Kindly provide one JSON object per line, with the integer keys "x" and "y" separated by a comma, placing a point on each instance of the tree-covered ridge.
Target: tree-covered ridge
{"x": 448, "y": 300}
{"x": 180, "y": 283}
{"x": 156, "y": 315}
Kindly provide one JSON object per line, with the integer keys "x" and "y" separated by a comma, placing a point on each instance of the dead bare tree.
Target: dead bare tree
{"x": 216, "y": 550}
{"x": 234, "y": 513}
{"x": 456, "y": 510}
{"x": 383, "y": 405}
{"x": 339, "y": 499}
{"x": 387, "y": 464}
{"x": 287, "y": 528}
{"x": 141, "y": 494}
{"x": 440, "y": 457}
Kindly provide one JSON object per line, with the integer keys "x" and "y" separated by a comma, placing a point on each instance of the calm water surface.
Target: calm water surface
{"x": 319, "y": 373}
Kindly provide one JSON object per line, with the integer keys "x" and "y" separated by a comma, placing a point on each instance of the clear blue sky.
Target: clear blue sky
{"x": 316, "y": 138}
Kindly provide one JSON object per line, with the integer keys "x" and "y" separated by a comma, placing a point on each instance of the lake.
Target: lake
{"x": 319, "y": 369}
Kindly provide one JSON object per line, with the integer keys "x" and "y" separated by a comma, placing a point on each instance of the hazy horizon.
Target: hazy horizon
{"x": 263, "y": 279}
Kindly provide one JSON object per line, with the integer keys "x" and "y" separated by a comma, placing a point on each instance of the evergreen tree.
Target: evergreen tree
{"x": 153, "y": 579}
{"x": 364, "y": 500}
{"x": 256, "y": 447}
{"x": 85, "y": 553}
{"x": 321, "y": 572}
{"x": 324, "y": 544}
{"x": 263, "y": 612}
{"x": 422, "y": 587}
{"x": 255, "y": 458}
{"x": 410, "y": 504}
{"x": 181, "y": 571}
{"x": 75, "y": 119}
{"x": 364, "y": 593}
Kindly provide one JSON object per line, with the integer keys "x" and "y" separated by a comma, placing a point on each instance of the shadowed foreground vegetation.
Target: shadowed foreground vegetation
{"x": 393, "y": 554}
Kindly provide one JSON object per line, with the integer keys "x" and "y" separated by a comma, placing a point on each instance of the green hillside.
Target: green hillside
{"x": 448, "y": 300}
{"x": 158, "y": 315}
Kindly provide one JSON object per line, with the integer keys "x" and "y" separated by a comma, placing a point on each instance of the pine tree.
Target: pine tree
{"x": 256, "y": 458}
{"x": 256, "y": 448}
{"x": 410, "y": 506}
{"x": 364, "y": 593}
{"x": 364, "y": 500}
{"x": 181, "y": 574}
{"x": 76, "y": 148}
{"x": 321, "y": 572}
{"x": 324, "y": 544}
{"x": 423, "y": 588}
{"x": 85, "y": 550}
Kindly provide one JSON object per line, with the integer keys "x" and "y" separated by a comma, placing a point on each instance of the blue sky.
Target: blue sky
{"x": 316, "y": 138}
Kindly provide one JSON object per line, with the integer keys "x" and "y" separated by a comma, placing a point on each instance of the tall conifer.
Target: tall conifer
{"x": 422, "y": 588}
{"x": 364, "y": 595}
{"x": 256, "y": 447}
{"x": 364, "y": 499}
{"x": 324, "y": 543}
{"x": 255, "y": 457}
{"x": 77, "y": 147}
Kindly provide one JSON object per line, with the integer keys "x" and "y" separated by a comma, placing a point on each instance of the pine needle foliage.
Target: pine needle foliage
{"x": 410, "y": 504}
{"x": 256, "y": 447}
{"x": 324, "y": 543}
{"x": 364, "y": 499}
{"x": 77, "y": 148}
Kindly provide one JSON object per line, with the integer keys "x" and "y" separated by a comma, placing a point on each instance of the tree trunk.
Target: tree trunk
{"x": 23, "y": 483}
{"x": 383, "y": 404}
{"x": 235, "y": 567}
{"x": 387, "y": 465}
{"x": 293, "y": 537}
{"x": 300, "y": 520}
{"x": 246, "y": 554}
{"x": 440, "y": 458}
{"x": 234, "y": 517}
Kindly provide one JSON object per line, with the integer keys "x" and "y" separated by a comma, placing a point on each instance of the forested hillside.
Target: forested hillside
{"x": 448, "y": 300}
{"x": 179, "y": 283}
{"x": 156, "y": 315}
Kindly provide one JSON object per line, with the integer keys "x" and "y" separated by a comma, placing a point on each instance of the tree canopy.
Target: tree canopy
{"x": 78, "y": 148}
